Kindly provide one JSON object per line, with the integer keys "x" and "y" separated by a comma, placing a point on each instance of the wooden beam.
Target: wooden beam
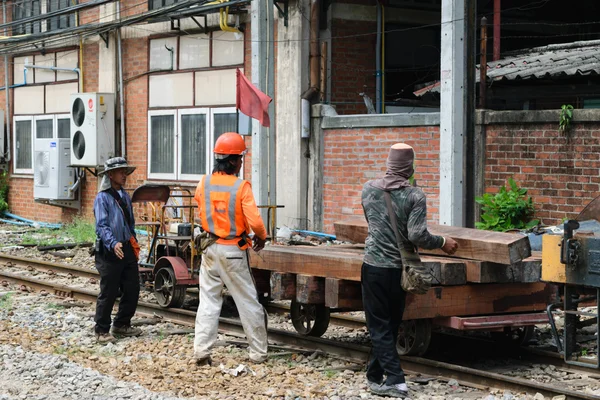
{"x": 283, "y": 286}
{"x": 446, "y": 271}
{"x": 474, "y": 244}
{"x": 310, "y": 289}
{"x": 343, "y": 294}
{"x": 447, "y": 301}
{"x": 528, "y": 270}
{"x": 308, "y": 261}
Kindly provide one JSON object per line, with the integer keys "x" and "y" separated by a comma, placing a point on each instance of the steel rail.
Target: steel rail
{"x": 48, "y": 266}
{"x": 356, "y": 353}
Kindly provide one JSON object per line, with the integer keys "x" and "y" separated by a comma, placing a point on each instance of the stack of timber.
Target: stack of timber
{"x": 472, "y": 282}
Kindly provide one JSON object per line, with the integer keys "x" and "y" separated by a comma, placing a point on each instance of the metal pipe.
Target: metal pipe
{"x": 497, "y": 10}
{"x": 305, "y": 118}
{"x": 378, "y": 62}
{"x": 382, "y": 59}
{"x": 314, "y": 43}
{"x": 122, "y": 86}
{"x": 18, "y": 84}
{"x": 52, "y": 68}
{"x": 7, "y": 148}
{"x": 483, "y": 64}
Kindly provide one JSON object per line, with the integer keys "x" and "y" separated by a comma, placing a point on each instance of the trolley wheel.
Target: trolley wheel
{"x": 167, "y": 293}
{"x": 517, "y": 337}
{"x": 309, "y": 319}
{"x": 414, "y": 337}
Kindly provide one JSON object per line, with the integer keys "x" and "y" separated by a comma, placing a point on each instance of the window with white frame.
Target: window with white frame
{"x": 29, "y": 128}
{"x": 181, "y": 141}
{"x": 195, "y": 51}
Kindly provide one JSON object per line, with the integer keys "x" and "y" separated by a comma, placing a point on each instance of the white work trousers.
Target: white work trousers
{"x": 227, "y": 265}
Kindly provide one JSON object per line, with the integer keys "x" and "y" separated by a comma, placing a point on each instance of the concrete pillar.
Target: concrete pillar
{"x": 315, "y": 166}
{"x": 107, "y": 60}
{"x": 453, "y": 105}
{"x": 292, "y": 79}
{"x": 263, "y": 77}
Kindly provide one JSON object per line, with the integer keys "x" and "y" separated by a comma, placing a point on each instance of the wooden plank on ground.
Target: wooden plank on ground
{"x": 528, "y": 270}
{"x": 343, "y": 294}
{"x": 310, "y": 289}
{"x": 447, "y": 301}
{"x": 283, "y": 286}
{"x": 474, "y": 244}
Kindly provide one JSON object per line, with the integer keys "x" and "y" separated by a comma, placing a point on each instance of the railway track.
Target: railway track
{"x": 351, "y": 352}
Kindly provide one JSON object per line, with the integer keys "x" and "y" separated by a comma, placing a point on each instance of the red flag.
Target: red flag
{"x": 252, "y": 101}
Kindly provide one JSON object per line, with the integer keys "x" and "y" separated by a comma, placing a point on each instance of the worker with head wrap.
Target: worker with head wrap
{"x": 383, "y": 296}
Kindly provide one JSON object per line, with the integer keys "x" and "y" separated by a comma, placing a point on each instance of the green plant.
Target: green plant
{"x": 3, "y": 191}
{"x": 78, "y": 231}
{"x": 330, "y": 373}
{"x": 584, "y": 352}
{"x": 6, "y": 301}
{"x": 510, "y": 208}
{"x": 566, "y": 115}
{"x": 54, "y": 306}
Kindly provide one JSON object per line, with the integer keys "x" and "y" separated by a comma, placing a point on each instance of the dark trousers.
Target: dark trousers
{"x": 383, "y": 301}
{"x": 116, "y": 275}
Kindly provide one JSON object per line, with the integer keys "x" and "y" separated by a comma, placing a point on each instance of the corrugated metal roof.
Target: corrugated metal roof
{"x": 556, "y": 60}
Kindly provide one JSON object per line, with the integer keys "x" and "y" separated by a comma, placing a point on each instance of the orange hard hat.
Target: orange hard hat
{"x": 230, "y": 143}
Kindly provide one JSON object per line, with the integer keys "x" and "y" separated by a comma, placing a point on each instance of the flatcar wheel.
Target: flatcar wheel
{"x": 167, "y": 293}
{"x": 414, "y": 337}
{"x": 309, "y": 319}
{"x": 514, "y": 336}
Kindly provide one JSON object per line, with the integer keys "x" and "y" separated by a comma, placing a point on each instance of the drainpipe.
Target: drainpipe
{"x": 7, "y": 151}
{"x": 378, "y": 62}
{"x": 315, "y": 69}
{"x": 496, "y": 30}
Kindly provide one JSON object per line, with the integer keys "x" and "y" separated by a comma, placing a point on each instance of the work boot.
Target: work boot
{"x": 125, "y": 331}
{"x": 371, "y": 385}
{"x": 105, "y": 337}
{"x": 399, "y": 390}
{"x": 205, "y": 360}
{"x": 257, "y": 359}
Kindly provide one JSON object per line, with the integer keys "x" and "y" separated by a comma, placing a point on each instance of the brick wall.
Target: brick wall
{"x": 354, "y": 156}
{"x": 561, "y": 172}
{"x": 352, "y": 64}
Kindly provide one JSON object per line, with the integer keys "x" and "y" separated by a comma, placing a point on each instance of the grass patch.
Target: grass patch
{"x": 54, "y": 306}
{"x": 330, "y": 373}
{"x": 78, "y": 231}
{"x": 81, "y": 231}
{"x": 6, "y": 301}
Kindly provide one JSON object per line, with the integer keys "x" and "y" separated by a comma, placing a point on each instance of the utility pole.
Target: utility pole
{"x": 263, "y": 77}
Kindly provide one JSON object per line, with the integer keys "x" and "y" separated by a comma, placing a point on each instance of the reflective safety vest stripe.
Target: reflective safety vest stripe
{"x": 221, "y": 211}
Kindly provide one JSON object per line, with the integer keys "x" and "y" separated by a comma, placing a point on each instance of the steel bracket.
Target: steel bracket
{"x": 204, "y": 28}
{"x": 175, "y": 24}
{"x": 283, "y": 12}
{"x": 105, "y": 38}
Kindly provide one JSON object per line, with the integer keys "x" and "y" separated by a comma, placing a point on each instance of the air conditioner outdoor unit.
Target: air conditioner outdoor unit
{"x": 52, "y": 177}
{"x": 92, "y": 128}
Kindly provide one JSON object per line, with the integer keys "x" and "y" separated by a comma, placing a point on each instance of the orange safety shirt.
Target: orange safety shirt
{"x": 227, "y": 209}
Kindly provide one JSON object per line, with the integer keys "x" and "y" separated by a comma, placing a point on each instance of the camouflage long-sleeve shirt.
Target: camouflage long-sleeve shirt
{"x": 410, "y": 207}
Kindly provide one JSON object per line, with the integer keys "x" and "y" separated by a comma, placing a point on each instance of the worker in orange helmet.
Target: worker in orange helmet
{"x": 228, "y": 211}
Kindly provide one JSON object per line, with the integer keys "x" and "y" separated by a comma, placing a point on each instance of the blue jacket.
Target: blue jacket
{"x": 111, "y": 225}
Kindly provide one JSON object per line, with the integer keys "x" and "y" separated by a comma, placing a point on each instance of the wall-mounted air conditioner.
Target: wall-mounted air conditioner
{"x": 92, "y": 128}
{"x": 52, "y": 177}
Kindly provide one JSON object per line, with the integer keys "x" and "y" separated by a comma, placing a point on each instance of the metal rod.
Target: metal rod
{"x": 483, "y": 64}
{"x": 378, "y": 62}
{"x": 497, "y": 9}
